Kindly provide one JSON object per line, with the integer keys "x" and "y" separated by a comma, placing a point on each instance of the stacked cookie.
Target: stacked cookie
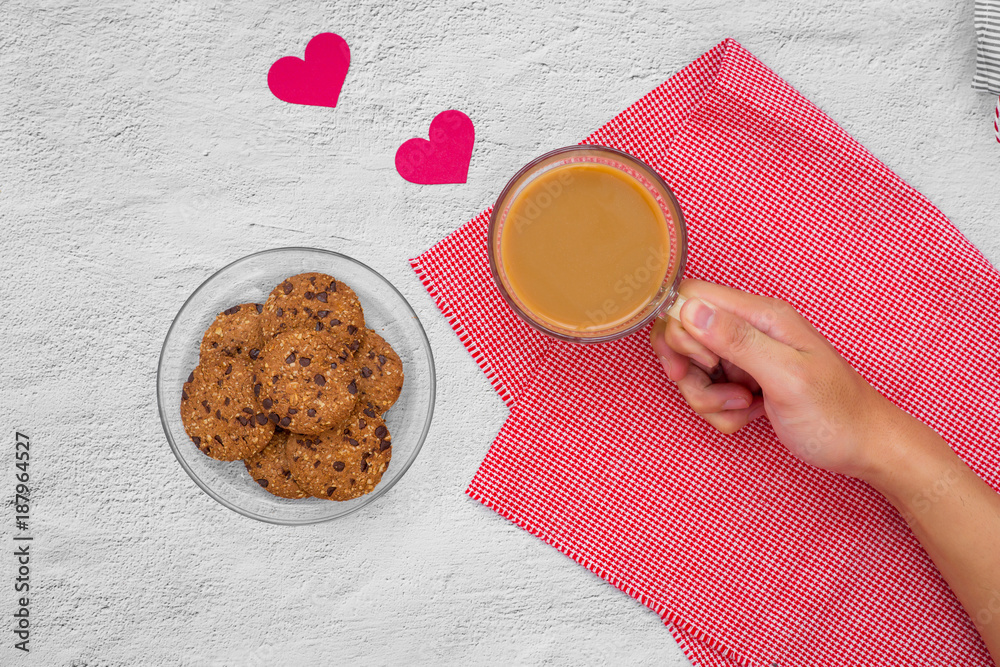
{"x": 296, "y": 388}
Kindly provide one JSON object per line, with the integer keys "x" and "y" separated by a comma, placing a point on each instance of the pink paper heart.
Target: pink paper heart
{"x": 443, "y": 159}
{"x": 317, "y": 80}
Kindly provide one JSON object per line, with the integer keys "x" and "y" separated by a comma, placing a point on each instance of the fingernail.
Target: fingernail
{"x": 706, "y": 361}
{"x": 666, "y": 366}
{"x": 702, "y": 315}
{"x": 735, "y": 404}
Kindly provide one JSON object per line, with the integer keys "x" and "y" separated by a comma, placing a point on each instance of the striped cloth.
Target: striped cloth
{"x": 987, "y": 20}
{"x": 751, "y": 558}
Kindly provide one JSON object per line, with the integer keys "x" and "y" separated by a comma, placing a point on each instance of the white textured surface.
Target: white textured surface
{"x": 140, "y": 150}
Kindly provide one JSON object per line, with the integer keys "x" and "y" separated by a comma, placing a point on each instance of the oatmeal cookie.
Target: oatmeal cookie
{"x": 344, "y": 462}
{"x": 220, "y": 412}
{"x": 309, "y": 381}
{"x": 317, "y": 302}
{"x": 380, "y": 371}
{"x": 269, "y": 468}
{"x": 235, "y": 331}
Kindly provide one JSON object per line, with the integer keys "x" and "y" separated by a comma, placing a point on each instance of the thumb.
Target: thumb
{"x": 737, "y": 341}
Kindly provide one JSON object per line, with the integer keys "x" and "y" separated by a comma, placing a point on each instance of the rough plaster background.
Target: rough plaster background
{"x": 140, "y": 150}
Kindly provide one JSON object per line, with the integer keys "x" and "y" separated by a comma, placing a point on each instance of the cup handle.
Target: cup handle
{"x": 674, "y": 310}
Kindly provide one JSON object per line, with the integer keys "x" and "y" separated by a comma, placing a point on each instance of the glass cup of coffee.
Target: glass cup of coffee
{"x": 587, "y": 244}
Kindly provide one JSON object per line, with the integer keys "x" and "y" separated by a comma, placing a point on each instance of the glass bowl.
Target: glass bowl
{"x": 250, "y": 280}
{"x": 633, "y": 167}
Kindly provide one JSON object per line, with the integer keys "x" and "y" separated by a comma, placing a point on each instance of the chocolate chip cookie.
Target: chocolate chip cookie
{"x": 380, "y": 371}
{"x": 269, "y": 468}
{"x": 344, "y": 462}
{"x": 316, "y": 302}
{"x": 309, "y": 381}
{"x": 220, "y": 412}
{"x": 235, "y": 331}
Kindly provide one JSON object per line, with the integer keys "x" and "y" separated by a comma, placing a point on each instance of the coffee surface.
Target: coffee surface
{"x": 585, "y": 246}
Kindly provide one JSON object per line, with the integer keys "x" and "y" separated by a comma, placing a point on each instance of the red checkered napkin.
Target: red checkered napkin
{"x": 750, "y": 557}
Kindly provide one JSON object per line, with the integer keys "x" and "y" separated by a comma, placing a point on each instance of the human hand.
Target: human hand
{"x": 775, "y": 363}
